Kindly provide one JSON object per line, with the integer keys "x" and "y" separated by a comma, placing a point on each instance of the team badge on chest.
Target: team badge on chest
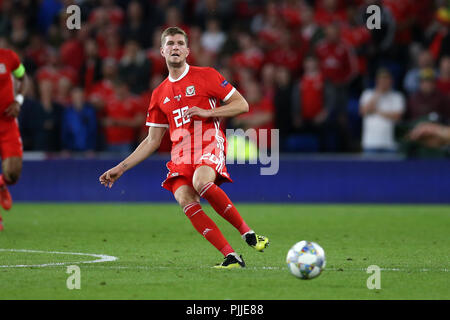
{"x": 190, "y": 91}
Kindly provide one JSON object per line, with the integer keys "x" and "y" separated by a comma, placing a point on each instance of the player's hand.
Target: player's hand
{"x": 199, "y": 112}
{"x": 13, "y": 110}
{"x": 109, "y": 177}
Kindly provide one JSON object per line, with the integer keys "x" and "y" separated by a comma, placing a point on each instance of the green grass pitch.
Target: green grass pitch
{"x": 161, "y": 256}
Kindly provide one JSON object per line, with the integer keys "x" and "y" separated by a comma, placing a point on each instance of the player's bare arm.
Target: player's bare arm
{"x": 13, "y": 109}
{"x": 234, "y": 106}
{"x": 148, "y": 146}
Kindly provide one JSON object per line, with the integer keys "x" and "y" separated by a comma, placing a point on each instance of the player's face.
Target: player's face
{"x": 175, "y": 50}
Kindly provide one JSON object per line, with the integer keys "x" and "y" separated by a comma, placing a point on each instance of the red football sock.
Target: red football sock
{"x": 219, "y": 200}
{"x": 206, "y": 227}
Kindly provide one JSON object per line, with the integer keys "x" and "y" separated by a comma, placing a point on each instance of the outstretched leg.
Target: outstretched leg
{"x": 203, "y": 182}
{"x": 189, "y": 200}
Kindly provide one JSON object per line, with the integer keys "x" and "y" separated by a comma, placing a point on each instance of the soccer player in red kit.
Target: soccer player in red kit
{"x": 187, "y": 103}
{"x": 11, "y": 98}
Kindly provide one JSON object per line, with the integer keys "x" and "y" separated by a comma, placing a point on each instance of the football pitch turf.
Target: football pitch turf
{"x": 161, "y": 256}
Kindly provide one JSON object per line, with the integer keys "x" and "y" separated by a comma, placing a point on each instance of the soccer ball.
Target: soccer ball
{"x": 306, "y": 260}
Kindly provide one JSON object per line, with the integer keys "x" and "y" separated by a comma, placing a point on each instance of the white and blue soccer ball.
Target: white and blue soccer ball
{"x": 306, "y": 260}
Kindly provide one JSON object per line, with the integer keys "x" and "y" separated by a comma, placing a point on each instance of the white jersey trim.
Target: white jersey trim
{"x": 229, "y": 94}
{"x": 186, "y": 70}
{"x": 159, "y": 125}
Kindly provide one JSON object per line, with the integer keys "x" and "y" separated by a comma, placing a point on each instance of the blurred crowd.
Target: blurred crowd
{"x": 310, "y": 68}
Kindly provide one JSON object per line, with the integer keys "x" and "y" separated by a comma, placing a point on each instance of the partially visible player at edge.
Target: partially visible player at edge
{"x": 10, "y": 141}
{"x": 189, "y": 96}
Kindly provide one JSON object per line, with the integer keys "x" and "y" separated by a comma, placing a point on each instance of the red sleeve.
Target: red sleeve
{"x": 14, "y": 60}
{"x": 217, "y": 86}
{"x": 155, "y": 117}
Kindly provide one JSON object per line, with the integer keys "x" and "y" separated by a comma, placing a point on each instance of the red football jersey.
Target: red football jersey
{"x": 193, "y": 139}
{"x": 9, "y": 61}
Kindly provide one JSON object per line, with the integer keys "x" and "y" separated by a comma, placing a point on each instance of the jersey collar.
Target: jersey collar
{"x": 186, "y": 70}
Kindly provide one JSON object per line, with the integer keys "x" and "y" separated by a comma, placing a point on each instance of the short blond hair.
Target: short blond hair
{"x": 171, "y": 31}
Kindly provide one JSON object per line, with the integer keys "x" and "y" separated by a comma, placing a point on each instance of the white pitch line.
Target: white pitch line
{"x": 265, "y": 268}
{"x": 107, "y": 258}
{"x": 101, "y": 258}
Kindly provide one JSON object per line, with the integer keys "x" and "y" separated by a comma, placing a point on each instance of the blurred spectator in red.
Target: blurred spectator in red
{"x": 403, "y": 11}
{"x": 310, "y": 32}
{"x": 443, "y": 81}
{"x": 427, "y": 100}
{"x": 101, "y": 93}
{"x": 110, "y": 43}
{"x": 136, "y": 26}
{"x": 338, "y": 66}
{"x": 54, "y": 71}
{"x": 123, "y": 119}
{"x": 329, "y": 11}
{"x": 267, "y": 24}
{"x": 38, "y": 50}
{"x": 412, "y": 78}
{"x": 107, "y": 10}
{"x": 79, "y": 124}
{"x": 290, "y": 13}
{"x": 310, "y": 114}
{"x": 242, "y": 76}
{"x": 134, "y": 67}
{"x": 286, "y": 53}
{"x": 213, "y": 38}
{"x": 154, "y": 55}
{"x": 91, "y": 70}
{"x": 72, "y": 51}
{"x": 260, "y": 116}
{"x": 249, "y": 54}
{"x": 268, "y": 75}
{"x": 311, "y": 99}
{"x": 103, "y": 90}
{"x": 380, "y": 108}
{"x": 336, "y": 59}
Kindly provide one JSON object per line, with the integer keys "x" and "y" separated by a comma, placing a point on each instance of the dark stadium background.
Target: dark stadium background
{"x": 82, "y": 80}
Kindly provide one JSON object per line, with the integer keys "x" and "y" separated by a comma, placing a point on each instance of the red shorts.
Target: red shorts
{"x": 182, "y": 174}
{"x": 10, "y": 140}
